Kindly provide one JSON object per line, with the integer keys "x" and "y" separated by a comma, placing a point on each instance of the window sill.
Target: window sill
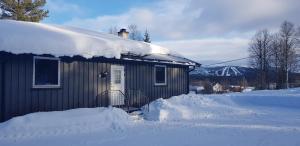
{"x": 160, "y": 84}
{"x": 46, "y": 87}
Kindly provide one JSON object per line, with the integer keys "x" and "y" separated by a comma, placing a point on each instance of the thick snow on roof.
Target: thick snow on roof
{"x": 26, "y": 37}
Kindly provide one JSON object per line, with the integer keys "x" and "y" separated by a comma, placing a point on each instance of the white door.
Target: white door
{"x": 117, "y": 85}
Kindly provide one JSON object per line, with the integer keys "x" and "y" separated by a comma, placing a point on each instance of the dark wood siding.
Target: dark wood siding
{"x": 1, "y": 91}
{"x": 80, "y": 85}
{"x": 141, "y": 77}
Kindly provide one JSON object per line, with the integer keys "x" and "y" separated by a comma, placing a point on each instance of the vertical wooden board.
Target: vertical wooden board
{"x": 128, "y": 77}
{"x": 179, "y": 80}
{"x": 107, "y": 84}
{"x": 146, "y": 79}
{"x": 99, "y": 84}
{"x": 103, "y": 84}
{"x": 54, "y": 105}
{"x": 7, "y": 90}
{"x": 95, "y": 83}
{"x": 183, "y": 81}
{"x": 90, "y": 84}
{"x": 28, "y": 85}
{"x": 80, "y": 84}
{"x": 169, "y": 77}
{"x": 143, "y": 79}
{"x": 135, "y": 78}
{"x": 15, "y": 88}
{"x": 1, "y": 97}
{"x": 173, "y": 83}
{"x": 131, "y": 77}
{"x": 22, "y": 87}
{"x": 86, "y": 84}
{"x": 136, "y": 75}
{"x": 186, "y": 86}
{"x": 41, "y": 102}
{"x": 35, "y": 100}
{"x": 71, "y": 85}
{"x": 66, "y": 86}
{"x": 47, "y": 99}
{"x": 60, "y": 97}
{"x": 76, "y": 85}
{"x": 150, "y": 82}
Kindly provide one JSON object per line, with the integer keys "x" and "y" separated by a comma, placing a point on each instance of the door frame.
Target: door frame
{"x": 113, "y": 89}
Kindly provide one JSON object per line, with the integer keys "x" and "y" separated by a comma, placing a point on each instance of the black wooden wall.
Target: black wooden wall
{"x": 141, "y": 77}
{"x": 80, "y": 85}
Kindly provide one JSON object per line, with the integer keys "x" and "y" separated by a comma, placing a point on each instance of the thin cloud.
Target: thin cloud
{"x": 188, "y": 26}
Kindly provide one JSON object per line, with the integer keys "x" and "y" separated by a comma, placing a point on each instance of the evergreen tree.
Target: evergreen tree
{"x": 23, "y": 10}
{"x": 147, "y": 37}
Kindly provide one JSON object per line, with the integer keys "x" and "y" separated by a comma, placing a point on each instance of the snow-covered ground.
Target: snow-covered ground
{"x": 258, "y": 118}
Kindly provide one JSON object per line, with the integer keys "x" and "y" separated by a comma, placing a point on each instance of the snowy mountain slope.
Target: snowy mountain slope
{"x": 27, "y": 37}
{"x": 268, "y": 118}
{"x": 225, "y": 71}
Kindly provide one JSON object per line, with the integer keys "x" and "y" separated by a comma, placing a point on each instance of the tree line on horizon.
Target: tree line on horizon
{"x": 275, "y": 52}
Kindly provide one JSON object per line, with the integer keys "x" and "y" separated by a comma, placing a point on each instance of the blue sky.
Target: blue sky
{"x": 203, "y": 30}
{"x": 88, "y": 9}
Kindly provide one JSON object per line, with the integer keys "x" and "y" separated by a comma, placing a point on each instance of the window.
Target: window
{"x": 117, "y": 78}
{"x": 160, "y": 75}
{"x": 46, "y": 72}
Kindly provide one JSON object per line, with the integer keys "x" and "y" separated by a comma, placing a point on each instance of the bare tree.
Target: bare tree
{"x": 260, "y": 56}
{"x": 275, "y": 57}
{"x": 113, "y": 30}
{"x": 288, "y": 42}
{"x": 134, "y": 33}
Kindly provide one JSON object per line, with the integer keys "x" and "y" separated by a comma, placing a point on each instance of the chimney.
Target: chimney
{"x": 123, "y": 33}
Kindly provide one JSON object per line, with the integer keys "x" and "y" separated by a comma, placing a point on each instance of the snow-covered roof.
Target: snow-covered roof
{"x": 26, "y": 37}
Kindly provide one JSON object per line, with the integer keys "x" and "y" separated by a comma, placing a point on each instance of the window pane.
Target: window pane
{"x": 46, "y": 72}
{"x": 160, "y": 75}
{"x": 117, "y": 77}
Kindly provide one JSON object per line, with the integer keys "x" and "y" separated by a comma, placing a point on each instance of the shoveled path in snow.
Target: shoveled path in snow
{"x": 247, "y": 119}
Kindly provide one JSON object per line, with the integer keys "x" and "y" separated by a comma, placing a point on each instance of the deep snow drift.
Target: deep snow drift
{"x": 266, "y": 118}
{"x": 41, "y": 38}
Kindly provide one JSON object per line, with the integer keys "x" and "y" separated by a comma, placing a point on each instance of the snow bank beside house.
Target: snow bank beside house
{"x": 286, "y": 98}
{"x": 69, "y": 122}
{"x": 224, "y": 106}
{"x": 191, "y": 107}
{"x": 27, "y": 37}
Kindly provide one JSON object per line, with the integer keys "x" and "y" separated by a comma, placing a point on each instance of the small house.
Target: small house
{"x": 53, "y": 68}
{"x": 218, "y": 88}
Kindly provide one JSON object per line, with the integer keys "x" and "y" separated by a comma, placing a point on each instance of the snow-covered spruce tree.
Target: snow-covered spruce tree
{"x": 147, "y": 37}
{"x": 23, "y": 10}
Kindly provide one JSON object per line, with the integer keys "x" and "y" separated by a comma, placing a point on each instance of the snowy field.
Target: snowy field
{"x": 259, "y": 118}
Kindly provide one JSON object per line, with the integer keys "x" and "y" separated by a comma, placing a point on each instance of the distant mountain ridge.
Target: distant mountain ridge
{"x": 224, "y": 71}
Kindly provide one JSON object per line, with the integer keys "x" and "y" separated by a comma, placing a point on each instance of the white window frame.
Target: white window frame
{"x": 160, "y": 84}
{"x": 58, "y": 73}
